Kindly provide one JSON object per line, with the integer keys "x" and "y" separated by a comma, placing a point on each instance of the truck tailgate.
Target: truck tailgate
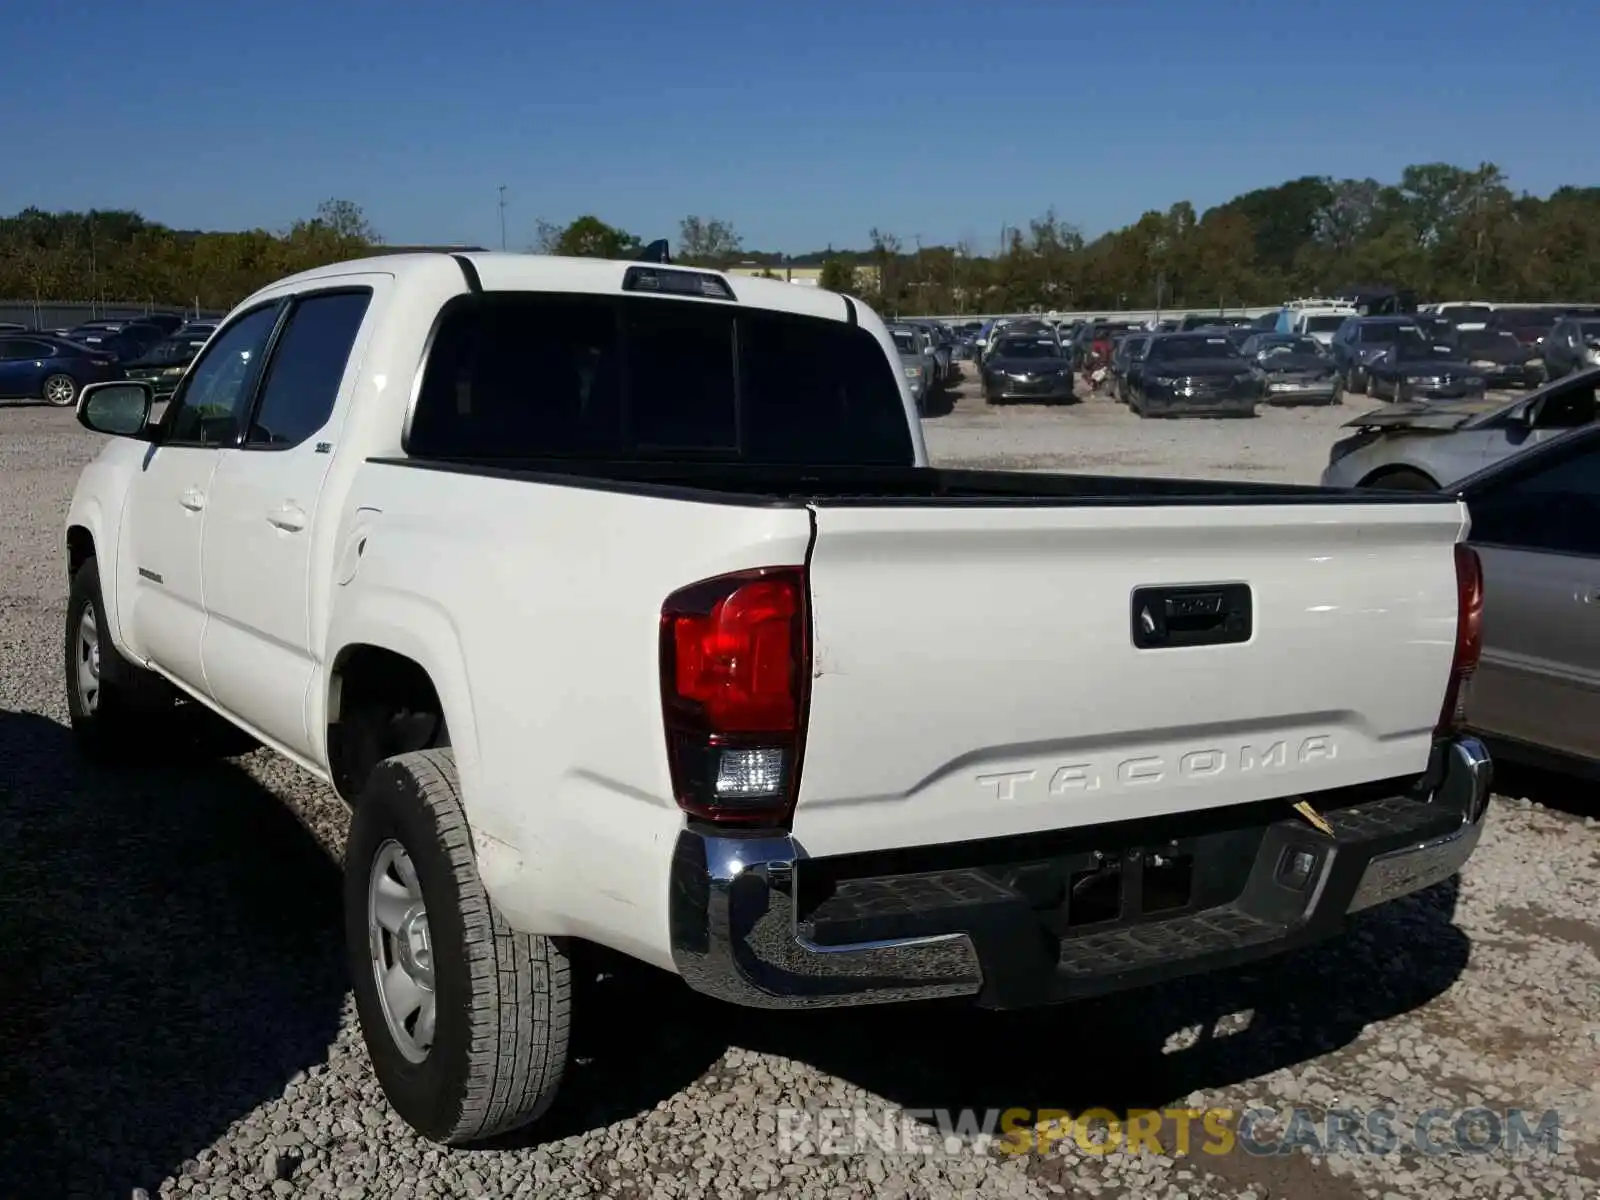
{"x": 975, "y": 672}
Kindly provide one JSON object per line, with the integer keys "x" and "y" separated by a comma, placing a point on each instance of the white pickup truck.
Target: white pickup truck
{"x": 621, "y": 604}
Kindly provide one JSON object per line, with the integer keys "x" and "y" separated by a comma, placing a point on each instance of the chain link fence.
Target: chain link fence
{"x": 65, "y": 314}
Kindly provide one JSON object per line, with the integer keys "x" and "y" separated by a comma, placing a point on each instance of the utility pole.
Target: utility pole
{"x": 502, "y": 216}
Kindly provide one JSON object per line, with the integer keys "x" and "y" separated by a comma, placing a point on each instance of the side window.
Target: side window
{"x": 11, "y": 351}
{"x": 1555, "y": 508}
{"x": 211, "y": 407}
{"x": 1567, "y": 409}
{"x": 307, "y": 367}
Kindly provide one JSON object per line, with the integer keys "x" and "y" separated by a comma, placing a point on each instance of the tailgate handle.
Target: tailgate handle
{"x": 1216, "y": 614}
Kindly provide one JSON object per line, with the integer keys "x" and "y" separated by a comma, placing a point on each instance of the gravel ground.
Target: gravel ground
{"x": 174, "y": 1016}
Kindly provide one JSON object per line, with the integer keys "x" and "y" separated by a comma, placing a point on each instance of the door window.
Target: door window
{"x": 307, "y": 367}
{"x": 210, "y": 408}
{"x": 1567, "y": 409}
{"x": 1553, "y": 507}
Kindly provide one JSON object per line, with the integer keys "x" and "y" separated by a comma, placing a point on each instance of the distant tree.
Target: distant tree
{"x": 1439, "y": 229}
{"x": 838, "y": 276}
{"x": 346, "y": 220}
{"x": 589, "y": 237}
{"x": 707, "y": 242}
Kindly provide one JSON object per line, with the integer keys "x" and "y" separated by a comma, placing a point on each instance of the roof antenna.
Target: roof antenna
{"x": 657, "y": 251}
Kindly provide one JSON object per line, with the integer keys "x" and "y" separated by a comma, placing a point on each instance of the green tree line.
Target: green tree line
{"x": 1442, "y": 230}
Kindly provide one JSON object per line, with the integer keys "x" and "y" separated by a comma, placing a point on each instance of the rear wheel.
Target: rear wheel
{"x": 1403, "y": 479}
{"x": 61, "y": 391}
{"x": 466, "y": 1020}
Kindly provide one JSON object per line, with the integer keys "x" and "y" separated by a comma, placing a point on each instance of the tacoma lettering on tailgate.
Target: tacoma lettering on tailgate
{"x": 1091, "y": 776}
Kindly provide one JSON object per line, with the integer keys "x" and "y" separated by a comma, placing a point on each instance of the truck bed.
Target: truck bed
{"x": 737, "y": 483}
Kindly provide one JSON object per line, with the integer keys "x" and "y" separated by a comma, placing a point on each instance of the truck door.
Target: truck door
{"x": 261, "y": 532}
{"x": 158, "y": 576}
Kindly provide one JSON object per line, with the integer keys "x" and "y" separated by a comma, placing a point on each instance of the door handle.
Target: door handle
{"x": 1592, "y": 596}
{"x": 288, "y": 517}
{"x": 193, "y": 499}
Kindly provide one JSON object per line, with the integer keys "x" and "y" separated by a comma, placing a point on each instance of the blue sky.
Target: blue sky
{"x": 804, "y": 124}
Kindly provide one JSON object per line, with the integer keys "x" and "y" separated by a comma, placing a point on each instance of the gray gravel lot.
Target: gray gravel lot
{"x": 175, "y": 1017}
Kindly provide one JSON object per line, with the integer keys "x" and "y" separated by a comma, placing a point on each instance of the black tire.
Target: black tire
{"x": 59, "y": 391}
{"x": 1355, "y": 381}
{"x": 1401, "y": 479}
{"x": 116, "y": 720}
{"x": 504, "y": 998}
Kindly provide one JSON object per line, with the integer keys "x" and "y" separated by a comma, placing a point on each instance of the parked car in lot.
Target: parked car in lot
{"x": 1572, "y": 344}
{"x": 1194, "y": 374}
{"x": 1414, "y": 368}
{"x": 168, "y": 323}
{"x": 1504, "y": 360}
{"x": 1424, "y": 445}
{"x": 1535, "y": 697}
{"x": 35, "y": 367}
{"x": 1126, "y": 360}
{"x": 1193, "y": 321}
{"x": 1027, "y": 366}
{"x": 916, "y": 361}
{"x": 1359, "y": 340}
{"x": 1294, "y": 368}
{"x": 1528, "y": 325}
{"x": 942, "y": 346}
{"x": 1463, "y": 314}
{"x": 613, "y": 636}
{"x": 125, "y": 342}
{"x": 1317, "y": 321}
{"x": 162, "y": 366}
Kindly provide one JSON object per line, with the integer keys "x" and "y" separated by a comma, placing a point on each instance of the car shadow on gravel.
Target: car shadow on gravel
{"x": 1144, "y": 1049}
{"x": 172, "y": 958}
{"x": 1149, "y": 1048}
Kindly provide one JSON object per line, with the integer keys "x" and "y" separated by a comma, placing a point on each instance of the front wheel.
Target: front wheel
{"x": 60, "y": 391}
{"x": 1355, "y": 382}
{"x": 467, "y": 1020}
{"x": 110, "y": 701}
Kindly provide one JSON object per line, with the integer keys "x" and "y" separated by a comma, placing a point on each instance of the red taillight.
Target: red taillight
{"x": 735, "y": 680}
{"x": 1469, "y": 636}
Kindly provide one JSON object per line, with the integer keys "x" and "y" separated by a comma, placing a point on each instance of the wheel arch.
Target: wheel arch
{"x": 1371, "y": 478}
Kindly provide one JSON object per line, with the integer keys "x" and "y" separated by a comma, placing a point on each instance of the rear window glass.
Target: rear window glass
{"x": 544, "y": 375}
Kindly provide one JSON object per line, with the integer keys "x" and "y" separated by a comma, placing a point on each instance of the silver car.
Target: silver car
{"x": 1424, "y": 445}
{"x": 916, "y": 359}
{"x": 1535, "y": 696}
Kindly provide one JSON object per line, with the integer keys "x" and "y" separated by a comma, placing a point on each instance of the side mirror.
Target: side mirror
{"x": 120, "y": 408}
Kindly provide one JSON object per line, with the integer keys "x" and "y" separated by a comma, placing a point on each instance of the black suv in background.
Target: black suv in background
{"x": 1361, "y": 339}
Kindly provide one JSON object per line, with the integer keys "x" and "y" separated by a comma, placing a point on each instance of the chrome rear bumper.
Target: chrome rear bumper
{"x": 737, "y": 933}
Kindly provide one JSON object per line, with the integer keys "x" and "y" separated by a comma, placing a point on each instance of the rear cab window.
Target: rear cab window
{"x": 529, "y": 375}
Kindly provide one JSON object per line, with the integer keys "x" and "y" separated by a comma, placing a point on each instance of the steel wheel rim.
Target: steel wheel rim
{"x": 58, "y": 389}
{"x": 401, "y": 950}
{"x": 87, "y": 656}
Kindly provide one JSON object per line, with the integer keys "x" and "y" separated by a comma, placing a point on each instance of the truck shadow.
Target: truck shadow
{"x": 1145, "y": 1049}
{"x": 172, "y": 959}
